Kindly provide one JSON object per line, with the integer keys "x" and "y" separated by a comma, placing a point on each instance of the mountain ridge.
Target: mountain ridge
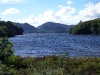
{"x": 48, "y": 27}
{"x": 28, "y": 28}
{"x": 55, "y": 27}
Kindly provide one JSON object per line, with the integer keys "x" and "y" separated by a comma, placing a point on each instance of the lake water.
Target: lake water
{"x": 40, "y": 44}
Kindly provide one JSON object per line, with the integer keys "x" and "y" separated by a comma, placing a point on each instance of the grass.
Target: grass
{"x": 51, "y": 65}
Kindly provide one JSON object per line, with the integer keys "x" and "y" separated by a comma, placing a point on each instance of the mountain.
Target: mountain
{"x": 55, "y": 27}
{"x": 46, "y": 27}
{"x": 28, "y": 28}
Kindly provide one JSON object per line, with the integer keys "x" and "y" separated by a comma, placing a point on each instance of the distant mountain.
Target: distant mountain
{"x": 28, "y": 28}
{"x": 55, "y": 27}
{"x": 46, "y": 27}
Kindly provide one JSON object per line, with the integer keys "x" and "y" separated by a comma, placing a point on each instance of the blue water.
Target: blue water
{"x": 40, "y": 44}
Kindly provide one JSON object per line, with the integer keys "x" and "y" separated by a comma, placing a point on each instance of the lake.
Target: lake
{"x": 40, "y": 44}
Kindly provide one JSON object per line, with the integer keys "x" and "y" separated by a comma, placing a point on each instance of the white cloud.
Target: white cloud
{"x": 69, "y": 2}
{"x": 9, "y": 1}
{"x": 4, "y": 0}
{"x": 60, "y": 6}
{"x": 65, "y": 15}
{"x": 10, "y": 11}
{"x": 91, "y": 11}
{"x": 66, "y": 10}
{"x": 50, "y": 15}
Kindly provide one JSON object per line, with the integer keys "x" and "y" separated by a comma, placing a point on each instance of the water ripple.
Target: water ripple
{"x": 39, "y": 44}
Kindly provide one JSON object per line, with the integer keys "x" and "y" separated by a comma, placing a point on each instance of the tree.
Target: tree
{"x": 87, "y": 27}
{"x": 5, "y": 49}
{"x": 9, "y": 29}
{"x": 3, "y": 31}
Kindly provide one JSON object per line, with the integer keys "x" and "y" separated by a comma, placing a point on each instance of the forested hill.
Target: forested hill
{"x": 55, "y": 27}
{"x": 87, "y": 27}
{"x": 27, "y": 28}
{"x": 9, "y": 29}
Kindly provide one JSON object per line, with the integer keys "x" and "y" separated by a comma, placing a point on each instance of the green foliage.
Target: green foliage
{"x": 17, "y": 62}
{"x": 52, "y": 65}
{"x": 5, "y": 49}
{"x": 61, "y": 65}
{"x": 3, "y": 31}
{"x": 9, "y": 29}
{"x": 6, "y": 52}
{"x": 88, "y": 27}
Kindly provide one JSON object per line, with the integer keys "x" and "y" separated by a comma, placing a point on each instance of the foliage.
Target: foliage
{"x": 5, "y": 49}
{"x": 9, "y": 29}
{"x": 17, "y": 62}
{"x": 52, "y": 65}
{"x": 88, "y": 27}
{"x": 59, "y": 65}
{"x": 6, "y": 52}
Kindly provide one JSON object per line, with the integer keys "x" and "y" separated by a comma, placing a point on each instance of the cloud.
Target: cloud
{"x": 9, "y": 1}
{"x": 66, "y": 10}
{"x": 4, "y": 0}
{"x": 49, "y": 15}
{"x": 66, "y": 15}
{"x": 10, "y": 11}
{"x": 69, "y": 2}
{"x": 91, "y": 11}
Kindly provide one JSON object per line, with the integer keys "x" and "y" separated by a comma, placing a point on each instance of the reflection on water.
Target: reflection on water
{"x": 39, "y": 44}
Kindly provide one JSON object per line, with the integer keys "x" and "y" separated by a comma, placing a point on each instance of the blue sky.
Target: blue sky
{"x": 37, "y": 12}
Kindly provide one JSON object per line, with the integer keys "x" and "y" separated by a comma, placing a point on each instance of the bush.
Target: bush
{"x": 6, "y": 50}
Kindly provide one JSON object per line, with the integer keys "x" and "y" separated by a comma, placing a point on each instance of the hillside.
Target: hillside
{"x": 87, "y": 27}
{"x": 54, "y": 27}
{"x": 9, "y": 29}
{"x": 28, "y": 28}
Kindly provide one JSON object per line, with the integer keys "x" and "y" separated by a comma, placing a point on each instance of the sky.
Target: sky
{"x": 37, "y": 12}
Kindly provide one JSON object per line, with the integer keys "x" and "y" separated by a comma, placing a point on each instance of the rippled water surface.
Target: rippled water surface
{"x": 40, "y": 44}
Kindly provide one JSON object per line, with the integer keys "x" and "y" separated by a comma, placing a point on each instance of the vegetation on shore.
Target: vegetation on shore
{"x": 9, "y": 29}
{"x": 87, "y": 27}
{"x": 46, "y": 65}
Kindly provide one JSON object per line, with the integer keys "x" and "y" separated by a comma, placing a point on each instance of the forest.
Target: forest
{"x": 9, "y": 29}
{"x": 87, "y": 28}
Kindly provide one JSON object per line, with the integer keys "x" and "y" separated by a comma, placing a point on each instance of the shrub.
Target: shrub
{"x": 5, "y": 49}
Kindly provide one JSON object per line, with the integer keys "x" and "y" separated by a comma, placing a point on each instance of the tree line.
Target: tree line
{"x": 87, "y": 27}
{"x": 9, "y": 29}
